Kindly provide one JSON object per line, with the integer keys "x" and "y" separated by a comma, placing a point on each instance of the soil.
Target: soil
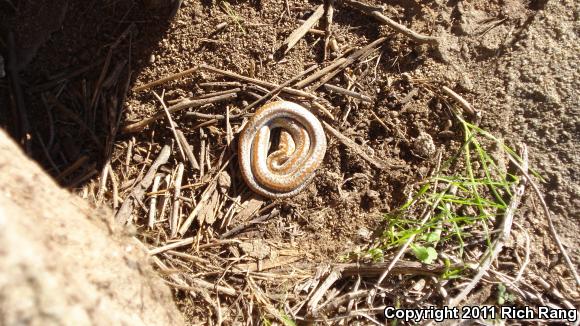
{"x": 513, "y": 60}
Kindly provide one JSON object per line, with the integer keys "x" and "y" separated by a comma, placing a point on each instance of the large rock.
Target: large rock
{"x": 61, "y": 263}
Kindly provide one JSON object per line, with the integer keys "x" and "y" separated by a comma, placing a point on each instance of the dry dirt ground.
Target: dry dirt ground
{"x": 81, "y": 62}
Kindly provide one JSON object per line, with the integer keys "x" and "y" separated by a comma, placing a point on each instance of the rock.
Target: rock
{"x": 62, "y": 263}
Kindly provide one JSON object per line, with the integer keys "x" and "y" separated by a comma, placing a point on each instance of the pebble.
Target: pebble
{"x": 424, "y": 145}
{"x": 364, "y": 233}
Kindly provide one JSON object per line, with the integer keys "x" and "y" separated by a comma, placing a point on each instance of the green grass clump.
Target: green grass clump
{"x": 458, "y": 205}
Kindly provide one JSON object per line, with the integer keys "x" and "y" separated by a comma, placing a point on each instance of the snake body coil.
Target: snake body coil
{"x": 290, "y": 167}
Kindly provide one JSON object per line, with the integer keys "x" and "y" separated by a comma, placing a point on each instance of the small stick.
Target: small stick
{"x": 103, "y": 182}
{"x": 91, "y": 172}
{"x": 359, "y": 54}
{"x": 464, "y": 104}
{"x": 115, "y": 187}
{"x": 153, "y": 202}
{"x": 171, "y": 125}
{"x": 347, "y": 92}
{"x": 47, "y": 154}
{"x": 315, "y": 76}
{"x": 204, "y": 198}
{"x": 381, "y": 122}
{"x": 202, "y": 96}
{"x": 124, "y": 213}
{"x": 177, "y": 244}
{"x": 328, "y": 28}
{"x": 176, "y": 278}
{"x": 199, "y": 115}
{"x": 378, "y": 163}
{"x": 262, "y": 83}
{"x": 322, "y": 110}
{"x": 279, "y": 88}
{"x": 205, "y": 123}
{"x": 376, "y": 12}
{"x": 246, "y": 225}
{"x": 165, "y": 79}
{"x": 129, "y": 154}
{"x": 23, "y": 131}
{"x": 99, "y": 84}
{"x": 201, "y": 153}
{"x": 199, "y": 283}
{"x": 219, "y": 84}
{"x": 317, "y": 32}
{"x": 187, "y": 149}
{"x": 298, "y": 33}
{"x": 140, "y": 125}
{"x": 165, "y": 195}
{"x": 176, "y": 209}
{"x": 229, "y": 131}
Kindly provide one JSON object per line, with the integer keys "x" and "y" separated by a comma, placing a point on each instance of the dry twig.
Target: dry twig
{"x": 140, "y": 125}
{"x": 165, "y": 79}
{"x": 346, "y": 92}
{"x": 376, "y": 162}
{"x": 376, "y": 12}
{"x": 172, "y": 125}
{"x": 124, "y": 213}
{"x": 298, "y": 33}
{"x": 258, "y": 82}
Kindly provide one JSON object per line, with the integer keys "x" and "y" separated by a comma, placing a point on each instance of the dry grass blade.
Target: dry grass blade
{"x": 322, "y": 72}
{"x": 312, "y": 305}
{"x": 400, "y": 267}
